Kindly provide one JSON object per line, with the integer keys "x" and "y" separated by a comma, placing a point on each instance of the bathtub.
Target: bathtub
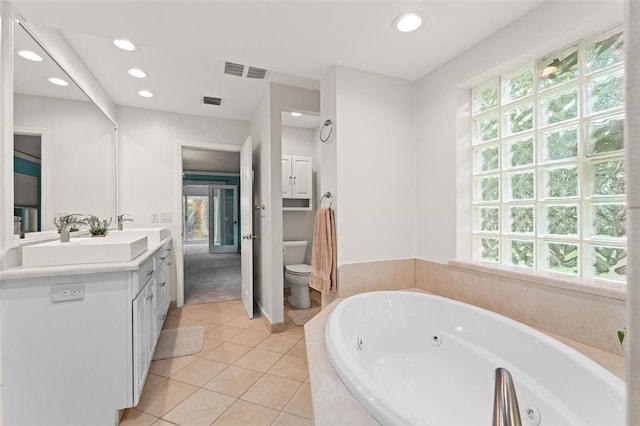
{"x": 417, "y": 359}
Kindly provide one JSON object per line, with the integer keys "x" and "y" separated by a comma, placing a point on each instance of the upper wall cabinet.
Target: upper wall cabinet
{"x": 297, "y": 182}
{"x": 296, "y": 177}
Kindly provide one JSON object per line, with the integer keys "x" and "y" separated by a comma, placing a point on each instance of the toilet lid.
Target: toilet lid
{"x": 299, "y": 269}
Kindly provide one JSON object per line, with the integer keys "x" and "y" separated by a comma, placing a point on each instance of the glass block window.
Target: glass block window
{"x": 548, "y": 163}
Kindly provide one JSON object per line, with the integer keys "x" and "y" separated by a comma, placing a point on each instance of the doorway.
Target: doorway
{"x": 210, "y": 217}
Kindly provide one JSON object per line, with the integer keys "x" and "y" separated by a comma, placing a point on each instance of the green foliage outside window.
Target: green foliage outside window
{"x": 487, "y": 99}
{"x": 609, "y": 178}
{"x": 522, "y": 186}
{"x": 490, "y": 159}
{"x": 607, "y": 135}
{"x": 490, "y": 188}
{"x": 490, "y": 219}
{"x": 567, "y": 69}
{"x": 562, "y": 220}
{"x": 563, "y": 257}
{"x": 520, "y": 119}
{"x": 610, "y": 220}
{"x": 605, "y": 53}
{"x": 491, "y": 249}
{"x": 522, "y": 152}
{"x": 563, "y": 182}
{"x": 562, "y": 143}
{"x": 521, "y": 219}
{"x": 562, "y": 107}
{"x": 607, "y": 92}
{"x": 488, "y": 127}
{"x": 610, "y": 260}
{"x": 519, "y": 86}
{"x": 522, "y": 253}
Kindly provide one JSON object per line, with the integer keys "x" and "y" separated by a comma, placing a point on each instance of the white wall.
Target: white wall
{"x": 80, "y": 166}
{"x": 376, "y": 167}
{"x": 266, "y": 130}
{"x": 298, "y": 225}
{"x": 443, "y": 113}
{"x": 150, "y": 161}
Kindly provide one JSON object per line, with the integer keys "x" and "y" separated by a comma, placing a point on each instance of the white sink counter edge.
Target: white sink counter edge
{"x": 333, "y": 404}
{"x": 22, "y": 272}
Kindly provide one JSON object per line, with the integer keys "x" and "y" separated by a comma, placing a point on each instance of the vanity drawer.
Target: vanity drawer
{"x": 163, "y": 256}
{"x": 143, "y": 275}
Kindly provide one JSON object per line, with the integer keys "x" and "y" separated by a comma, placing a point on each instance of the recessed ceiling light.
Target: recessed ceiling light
{"x": 137, "y": 72}
{"x": 408, "y": 22}
{"x": 58, "y": 81}
{"x": 145, "y": 94}
{"x": 32, "y": 56}
{"x": 296, "y": 114}
{"x": 124, "y": 44}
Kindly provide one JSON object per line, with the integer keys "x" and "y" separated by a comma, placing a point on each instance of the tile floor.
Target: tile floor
{"x": 242, "y": 376}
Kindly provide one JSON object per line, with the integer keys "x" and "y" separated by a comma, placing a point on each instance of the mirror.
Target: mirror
{"x": 64, "y": 146}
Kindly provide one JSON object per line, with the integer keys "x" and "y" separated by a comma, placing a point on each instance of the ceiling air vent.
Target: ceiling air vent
{"x": 211, "y": 101}
{"x": 255, "y": 72}
{"x": 233, "y": 69}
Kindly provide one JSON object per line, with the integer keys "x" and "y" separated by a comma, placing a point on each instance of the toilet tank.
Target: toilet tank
{"x": 293, "y": 252}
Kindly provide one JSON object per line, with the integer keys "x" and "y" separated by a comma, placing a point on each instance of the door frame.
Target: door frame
{"x": 178, "y": 210}
{"x": 46, "y": 182}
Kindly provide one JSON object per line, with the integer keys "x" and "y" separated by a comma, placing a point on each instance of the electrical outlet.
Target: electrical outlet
{"x": 154, "y": 217}
{"x": 67, "y": 292}
{"x": 166, "y": 217}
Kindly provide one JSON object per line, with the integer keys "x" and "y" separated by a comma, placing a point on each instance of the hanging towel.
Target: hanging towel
{"x": 323, "y": 253}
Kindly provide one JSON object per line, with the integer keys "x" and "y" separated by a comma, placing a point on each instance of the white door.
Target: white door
{"x": 246, "y": 225}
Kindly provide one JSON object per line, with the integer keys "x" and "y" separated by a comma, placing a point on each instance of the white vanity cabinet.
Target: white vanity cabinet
{"x": 78, "y": 340}
{"x": 297, "y": 177}
{"x": 150, "y": 308}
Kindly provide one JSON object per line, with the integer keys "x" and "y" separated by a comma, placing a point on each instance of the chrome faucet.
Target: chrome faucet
{"x": 122, "y": 218}
{"x": 505, "y": 402}
{"x": 66, "y": 223}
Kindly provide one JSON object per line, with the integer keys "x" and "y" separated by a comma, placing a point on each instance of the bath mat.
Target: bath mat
{"x": 175, "y": 342}
{"x": 301, "y": 316}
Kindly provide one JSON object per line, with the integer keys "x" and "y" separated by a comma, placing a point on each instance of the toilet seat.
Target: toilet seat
{"x": 298, "y": 269}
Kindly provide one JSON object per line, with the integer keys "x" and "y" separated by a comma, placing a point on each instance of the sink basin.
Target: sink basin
{"x": 154, "y": 235}
{"x": 85, "y": 250}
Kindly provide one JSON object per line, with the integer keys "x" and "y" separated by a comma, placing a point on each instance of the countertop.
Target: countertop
{"x": 21, "y": 272}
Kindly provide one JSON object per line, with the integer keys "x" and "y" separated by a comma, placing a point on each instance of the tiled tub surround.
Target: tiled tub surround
{"x": 410, "y": 358}
{"x": 546, "y": 302}
{"x": 332, "y": 402}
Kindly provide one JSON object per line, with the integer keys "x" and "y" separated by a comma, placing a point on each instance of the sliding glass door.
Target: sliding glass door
{"x": 223, "y": 212}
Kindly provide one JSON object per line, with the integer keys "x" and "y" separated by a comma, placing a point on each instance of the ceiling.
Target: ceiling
{"x": 182, "y": 45}
{"x": 204, "y": 160}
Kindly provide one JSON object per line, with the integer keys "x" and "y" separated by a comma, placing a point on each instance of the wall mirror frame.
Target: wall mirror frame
{"x": 79, "y": 140}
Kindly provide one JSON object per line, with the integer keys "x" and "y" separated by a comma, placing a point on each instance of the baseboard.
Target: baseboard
{"x": 277, "y": 327}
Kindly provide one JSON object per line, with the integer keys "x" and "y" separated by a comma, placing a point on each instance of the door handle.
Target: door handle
{"x": 249, "y": 237}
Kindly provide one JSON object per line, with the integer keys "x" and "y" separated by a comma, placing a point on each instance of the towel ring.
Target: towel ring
{"x": 326, "y": 195}
{"x": 329, "y": 124}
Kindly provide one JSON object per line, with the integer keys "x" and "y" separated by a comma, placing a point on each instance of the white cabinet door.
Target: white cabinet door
{"x": 297, "y": 175}
{"x": 287, "y": 177}
{"x": 302, "y": 177}
{"x": 141, "y": 340}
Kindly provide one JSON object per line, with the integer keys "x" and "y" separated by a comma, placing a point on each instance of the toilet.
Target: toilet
{"x": 296, "y": 273}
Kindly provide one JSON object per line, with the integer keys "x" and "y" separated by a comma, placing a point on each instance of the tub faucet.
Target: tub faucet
{"x": 505, "y": 402}
{"x": 122, "y": 218}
